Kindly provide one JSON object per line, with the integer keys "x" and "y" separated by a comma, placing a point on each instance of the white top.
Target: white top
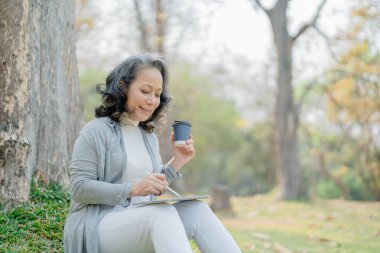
{"x": 138, "y": 158}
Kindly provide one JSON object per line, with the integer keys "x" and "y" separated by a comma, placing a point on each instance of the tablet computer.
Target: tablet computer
{"x": 172, "y": 200}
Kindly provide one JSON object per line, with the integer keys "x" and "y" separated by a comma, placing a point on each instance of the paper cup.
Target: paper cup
{"x": 181, "y": 132}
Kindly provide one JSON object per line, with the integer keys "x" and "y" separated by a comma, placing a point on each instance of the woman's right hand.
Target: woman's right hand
{"x": 154, "y": 183}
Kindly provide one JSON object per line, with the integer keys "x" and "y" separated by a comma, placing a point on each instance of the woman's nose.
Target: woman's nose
{"x": 151, "y": 100}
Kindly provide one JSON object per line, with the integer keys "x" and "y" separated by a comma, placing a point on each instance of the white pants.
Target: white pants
{"x": 164, "y": 228}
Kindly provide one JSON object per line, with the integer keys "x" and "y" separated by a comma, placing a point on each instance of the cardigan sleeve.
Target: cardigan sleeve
{"x": 170, "y": 173}
{"x": 84, "y": 183}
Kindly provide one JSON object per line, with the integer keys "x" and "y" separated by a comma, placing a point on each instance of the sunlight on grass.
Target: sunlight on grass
{"x": 264, "y": 224}
{"x": 260, "y": 224}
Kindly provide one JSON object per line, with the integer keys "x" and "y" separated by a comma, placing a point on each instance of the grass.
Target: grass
{"x": 260, "y": 224}
{"x": 263, "y": 224}
{"x": 36, "y": 226}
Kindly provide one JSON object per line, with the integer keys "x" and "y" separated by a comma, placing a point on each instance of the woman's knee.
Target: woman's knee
{"x": 195, "y": 206}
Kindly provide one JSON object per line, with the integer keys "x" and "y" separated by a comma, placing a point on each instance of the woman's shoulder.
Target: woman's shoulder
{"x": 101, "y": 125}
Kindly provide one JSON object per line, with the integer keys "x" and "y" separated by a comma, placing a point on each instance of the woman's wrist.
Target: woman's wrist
{"x": 176, "y": 165}
{"x": 133, "y": 192}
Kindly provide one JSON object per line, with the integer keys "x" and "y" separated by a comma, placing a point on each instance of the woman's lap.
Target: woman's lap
{"x": 141, "y": 229}
{"x": 164, "y": 228}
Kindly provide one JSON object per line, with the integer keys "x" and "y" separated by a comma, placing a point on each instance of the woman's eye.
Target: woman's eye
{"x": 158, "y": 95}
{"x": 144, "y": 91}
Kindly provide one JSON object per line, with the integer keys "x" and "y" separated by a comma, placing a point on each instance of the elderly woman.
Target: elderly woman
{"x": 108, "y": 174}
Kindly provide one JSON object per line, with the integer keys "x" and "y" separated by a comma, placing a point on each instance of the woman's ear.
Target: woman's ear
{"x": 123, "y": 86}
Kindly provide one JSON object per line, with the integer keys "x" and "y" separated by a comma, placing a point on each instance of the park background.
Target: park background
{"x": 283, "y": 97}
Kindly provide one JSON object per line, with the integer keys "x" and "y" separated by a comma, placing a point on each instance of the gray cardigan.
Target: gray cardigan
{"x": 96, "y": 173}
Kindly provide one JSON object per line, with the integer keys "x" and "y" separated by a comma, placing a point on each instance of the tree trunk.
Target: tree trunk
{"x": 142, "y": 27}
{"x": 160, "y": 27}
{"x": 285, "y": 113}
{"x": 220, "y": 198}
{"x": 152, "y": 34}
{"x": 40, "y": 106}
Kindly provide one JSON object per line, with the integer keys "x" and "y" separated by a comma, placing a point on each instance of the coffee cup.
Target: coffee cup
{"x": 181, "y": 132}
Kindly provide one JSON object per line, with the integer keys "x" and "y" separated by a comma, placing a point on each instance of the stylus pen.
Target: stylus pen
{"x": 169, "y": 189}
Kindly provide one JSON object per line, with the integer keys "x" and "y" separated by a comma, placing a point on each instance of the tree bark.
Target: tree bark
{"x": 160, "y": 27}
{"x": 152, "y": 34}
{"x": 285, "y": 111}
{"x": 40, "y": 106}
{"x": 142, "y": 27}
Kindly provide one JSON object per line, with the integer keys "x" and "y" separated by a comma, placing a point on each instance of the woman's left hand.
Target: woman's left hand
{"x": 182, "y": 155}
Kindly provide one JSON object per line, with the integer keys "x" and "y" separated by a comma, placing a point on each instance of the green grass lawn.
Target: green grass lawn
{"x": 261, "y": 224}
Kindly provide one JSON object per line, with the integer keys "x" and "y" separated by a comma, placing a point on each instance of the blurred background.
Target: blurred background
{"x": 282, "y": 98}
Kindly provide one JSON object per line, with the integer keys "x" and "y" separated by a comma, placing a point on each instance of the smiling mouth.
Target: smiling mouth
{"x": 145, "y": 110}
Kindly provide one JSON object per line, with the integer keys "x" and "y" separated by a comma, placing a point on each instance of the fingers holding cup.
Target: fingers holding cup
{"x": 189, "y": 146}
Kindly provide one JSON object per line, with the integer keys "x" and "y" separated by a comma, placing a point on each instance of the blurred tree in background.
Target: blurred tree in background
{"x": 346, "y": 150}
{"x": 338, "y": 148}
{"x": 287, "y": 110}
{"x": 353, "y": 100}
{"x": 245, "y": 113}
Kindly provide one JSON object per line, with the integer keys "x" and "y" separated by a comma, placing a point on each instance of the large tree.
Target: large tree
{"x": 286, "y": 110}
{"x": 40, "y": 107}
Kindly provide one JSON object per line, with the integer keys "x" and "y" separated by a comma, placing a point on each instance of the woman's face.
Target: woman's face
{"x": 144, "y": 94}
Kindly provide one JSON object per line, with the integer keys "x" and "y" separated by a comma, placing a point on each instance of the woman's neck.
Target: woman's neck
{"x": 126, "y": 120}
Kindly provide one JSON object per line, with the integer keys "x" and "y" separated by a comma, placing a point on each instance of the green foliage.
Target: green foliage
{"x": 340, "y": 159}
{"x": 36, "y": 226}
{"x": 351, "y": 106}
{"x": 346, "y": 136}
{"x": 91, "y": 99}
{"x": 357, "y": 189}
{"x": 229, "y": 151}
{"x": 328, "y": 190}
{"x": 251, "y": 168}
{"x": 352, "y": 101}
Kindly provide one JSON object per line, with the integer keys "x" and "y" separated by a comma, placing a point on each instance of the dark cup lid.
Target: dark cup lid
{"x": 181, "y": 122}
